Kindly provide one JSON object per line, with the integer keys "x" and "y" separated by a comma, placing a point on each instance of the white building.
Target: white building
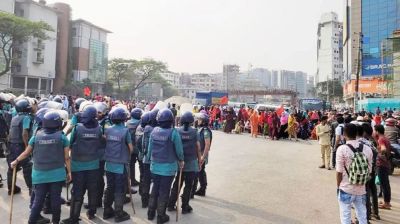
{"x": 263, "y": 75}
{"x": 172, "y": 78}
{"x": 329, "y": 48}
{"x": 301, "y": 83}
{"x": 204, "y": 82}
{"x": 274, "y": 79}
{"x": 34, "y": 71}
{"x": 5, "y": 6}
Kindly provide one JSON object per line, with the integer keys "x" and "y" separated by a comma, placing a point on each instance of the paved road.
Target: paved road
{"x": 250, "y": 181}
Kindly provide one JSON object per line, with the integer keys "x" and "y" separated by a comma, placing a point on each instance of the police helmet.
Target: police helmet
{"x": 165, "y": 117}
{"x": 145, "y": 120}
{"x": 52, "y": 120}
{"x": 101, "y": 107}
{"x": 153, "y": 117}
{"x": 57, "y": 99}
{"x": 118, "y": 114}
{"x": 89, "y": 113}
{"x": 40, "y": 115}
{"x": 84, "y": 104}
{"x": 23, "y": 105}
{"x": 78, "y": 103}
{"x": 187, "y": 117}
{"x": 136, "y": 113}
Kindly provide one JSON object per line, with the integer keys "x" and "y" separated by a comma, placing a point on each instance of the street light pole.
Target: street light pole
{"x": 356, "y": 92}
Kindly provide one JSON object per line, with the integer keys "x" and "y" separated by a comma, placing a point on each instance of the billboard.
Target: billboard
{"x": 366, "y": 86}
{"x": 376, "y": 66}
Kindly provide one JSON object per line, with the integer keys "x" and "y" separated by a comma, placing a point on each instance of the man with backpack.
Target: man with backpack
{"x": 353, "y": 168}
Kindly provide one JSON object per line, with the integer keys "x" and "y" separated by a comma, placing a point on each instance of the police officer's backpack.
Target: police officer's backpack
{"x": 358, "y": 172}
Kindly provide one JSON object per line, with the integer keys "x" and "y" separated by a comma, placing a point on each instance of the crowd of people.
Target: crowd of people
{"x": 103, "y": 137}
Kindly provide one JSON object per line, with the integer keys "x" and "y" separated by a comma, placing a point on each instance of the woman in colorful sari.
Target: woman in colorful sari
{"x": 254, "y": 123}
{"x": 292, "y": 127}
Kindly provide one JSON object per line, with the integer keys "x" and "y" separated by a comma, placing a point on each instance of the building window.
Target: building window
{"x": 74, "y": 32}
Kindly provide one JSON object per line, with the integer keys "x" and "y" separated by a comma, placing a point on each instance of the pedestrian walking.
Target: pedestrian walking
{"x": 353, "y": 168}
{"x": 383, "y": 165}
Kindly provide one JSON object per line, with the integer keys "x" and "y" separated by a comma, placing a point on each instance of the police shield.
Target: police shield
{"x": 160, "y": 105}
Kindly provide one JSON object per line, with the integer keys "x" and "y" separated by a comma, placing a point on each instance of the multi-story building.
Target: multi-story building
{"x": 150, "y": 91}
{"x": 287, "y": 79}
{"x": 301, "y": 84}
{"x": 329, "y": 48}
{"x": 263, "y": 75}
{"x": 205, "y": 82}
{"x": 310, "y": 86}
{"x": 90, "y": 53}
{"x": 5, "y": 6}
{"x": 33, "y": 72}
{"x": 367, "y": 40}
{"x": 229, "y": 77}
{"x": 274, "y": 79}
{"x": 172, "y": 78}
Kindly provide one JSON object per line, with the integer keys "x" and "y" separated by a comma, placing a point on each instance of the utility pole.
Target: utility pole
{"x": 356, "y": 92}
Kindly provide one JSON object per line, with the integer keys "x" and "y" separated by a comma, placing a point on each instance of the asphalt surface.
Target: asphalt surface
{"x": 250, "y": 181}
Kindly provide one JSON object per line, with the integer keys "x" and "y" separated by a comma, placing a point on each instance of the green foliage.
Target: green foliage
{"x": 135, "y": 73}
{"x": 15, "y": 30}
{"x": 335, "y": 90}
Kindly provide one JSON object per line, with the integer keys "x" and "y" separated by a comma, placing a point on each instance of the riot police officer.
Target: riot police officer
{"x": 85, "y": 142}
{"x": 148, "y": 123}
{"x": 76, "y": 117}
{"x": 117, "y": 156}
{"x": 50, "y": 149}
{"x": 205, "y": 138}
{"x": 20, "y": 132}
{"x": 104, "y": 122}
{"x": 165, "y": 149}
{"x": 132, "y": 125}
{"x": 191, "y": 151}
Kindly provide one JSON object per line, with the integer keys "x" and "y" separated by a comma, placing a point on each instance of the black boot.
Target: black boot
{"x": 42, "y": 220}
{"x": 17, "y": 190}
{"x": 162, "y": 217}
{"x": 145, "y": 200}
{"x": 108, "y": 200}
{"x": 120, "y": 214}
{"x": 186, "y": 208}
{"x": 201, "y": 192}
{"x": 151, "y": 212}
{"x": 74, "y": 212}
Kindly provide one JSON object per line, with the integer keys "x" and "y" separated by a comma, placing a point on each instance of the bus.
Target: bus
{"x": 312, "y": 104}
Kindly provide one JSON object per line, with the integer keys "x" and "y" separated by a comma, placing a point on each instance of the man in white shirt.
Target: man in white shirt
{"x": 339, "y": 138}
{"x": 351, "y": 194}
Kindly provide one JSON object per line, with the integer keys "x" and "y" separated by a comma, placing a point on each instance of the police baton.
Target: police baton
{"x": 129, "y": 187}
{"x": 179, "y": 190}
{"x": 12, "y": 192}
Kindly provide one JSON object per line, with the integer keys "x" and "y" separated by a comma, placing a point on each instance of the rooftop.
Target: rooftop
{"x": 90, "y": 24}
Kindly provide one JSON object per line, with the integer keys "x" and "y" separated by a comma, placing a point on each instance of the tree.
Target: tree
{"x": 119, "y": 70}
{"x": 335, "y": 89}
{"x": 145, "y": 70}
{"x": 15, "y": 30}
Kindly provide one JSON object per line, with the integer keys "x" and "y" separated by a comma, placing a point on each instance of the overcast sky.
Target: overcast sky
{"x": 200, "y": 35}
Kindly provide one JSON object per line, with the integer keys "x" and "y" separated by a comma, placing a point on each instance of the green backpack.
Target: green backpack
{"x": 358, "y": 172}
